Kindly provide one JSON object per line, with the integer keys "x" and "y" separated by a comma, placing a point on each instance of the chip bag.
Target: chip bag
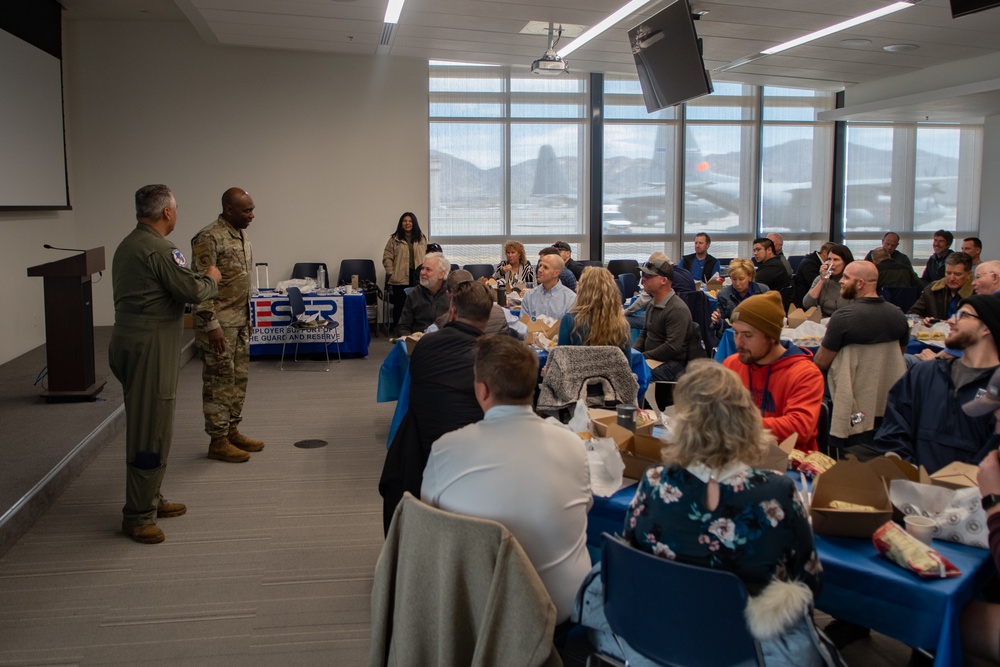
{"x": 911, "y": 554}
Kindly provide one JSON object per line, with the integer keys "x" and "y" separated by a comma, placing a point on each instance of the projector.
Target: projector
{"x": 550, "y": 64}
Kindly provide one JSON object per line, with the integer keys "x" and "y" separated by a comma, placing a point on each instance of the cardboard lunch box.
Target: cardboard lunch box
{"x": 640, "y": 450}
{"x": 550, "y": 332}
{"x": 955, "y": 475}
{"x": 854, "y": 482}
{"x": 797, "y": 316}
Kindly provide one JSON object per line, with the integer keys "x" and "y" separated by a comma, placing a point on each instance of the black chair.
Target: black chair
{"x": 675, "y": 634}
{"x": 630, "y": 284}
{"x": 480, "y": 270}
{"x": 308, "y": 270}
{"x": 794, "y": 261}
{"x": 787, "y": 296}
{"x": 364, "y": 269}
{"x": 329, "y": 327}
{"x": 620, "y": 266}
{"x": 591, "y": 262}
{"x": 621, "y": 287}
{"x": 902, "y": 297}
{"x": 701, "y": 314}
{"x": 455, "y": 267}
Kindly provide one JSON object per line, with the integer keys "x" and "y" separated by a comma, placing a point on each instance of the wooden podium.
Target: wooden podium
{"x": 69, "y": 325}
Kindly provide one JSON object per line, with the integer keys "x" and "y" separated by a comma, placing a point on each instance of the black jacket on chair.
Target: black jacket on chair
{"x": 442, "y": 400}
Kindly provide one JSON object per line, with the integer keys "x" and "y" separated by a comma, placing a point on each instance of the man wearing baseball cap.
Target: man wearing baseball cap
{"x": 669, "y": 335}
{"x": 923, "y": 422}
{"x": 785, "y": 383}
{"x": 575, "y": 267}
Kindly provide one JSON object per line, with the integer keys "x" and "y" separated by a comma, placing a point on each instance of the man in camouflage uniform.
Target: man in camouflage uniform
{"x": 222, "y": 327}
{"x": 151, "y": 284}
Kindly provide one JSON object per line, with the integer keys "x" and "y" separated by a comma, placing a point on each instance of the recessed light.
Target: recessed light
{"x": 855, "y": 42}
{"x": 900, "y": 48}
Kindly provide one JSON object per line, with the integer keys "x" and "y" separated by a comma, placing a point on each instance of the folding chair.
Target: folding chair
{"x": 329, "y": 327}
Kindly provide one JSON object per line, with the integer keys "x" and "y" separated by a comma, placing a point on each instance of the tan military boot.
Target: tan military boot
{"x": 146, "y": 533}
{"x": 237, "y": 439}
{"x": 221, "y": 449}
{"x": 168, "y": 509}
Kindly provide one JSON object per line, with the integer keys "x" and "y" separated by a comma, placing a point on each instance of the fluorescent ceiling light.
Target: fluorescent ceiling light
{"x": 843, "y": 25}
{"x": 393, "y": 10}
{"x": 610, "y": 21}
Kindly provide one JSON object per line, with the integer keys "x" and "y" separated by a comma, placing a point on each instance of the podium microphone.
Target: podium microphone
{"x": 52, "y": 247}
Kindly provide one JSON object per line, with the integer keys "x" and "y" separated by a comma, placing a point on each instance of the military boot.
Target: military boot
{"x": 221, "y": 449}
{"x": 146, "y": 533}
{"x": 167, "y": 509}
{"x": 237, "y": 439}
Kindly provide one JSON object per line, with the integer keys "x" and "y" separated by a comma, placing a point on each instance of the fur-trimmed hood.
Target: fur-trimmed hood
{"x": 779, "y": 606}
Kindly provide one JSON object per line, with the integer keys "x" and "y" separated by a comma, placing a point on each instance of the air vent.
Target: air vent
{"x": 387, "y": 32}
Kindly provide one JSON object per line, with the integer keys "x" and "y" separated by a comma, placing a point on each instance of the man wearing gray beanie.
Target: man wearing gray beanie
{"x": 923, "y": 421}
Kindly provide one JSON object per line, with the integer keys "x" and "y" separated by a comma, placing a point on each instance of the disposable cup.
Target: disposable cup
{"x": 920, "y": 527}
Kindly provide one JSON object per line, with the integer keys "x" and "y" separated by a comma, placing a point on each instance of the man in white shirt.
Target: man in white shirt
{"x": 551, "y": 297}
{"x": 515, "y": 468}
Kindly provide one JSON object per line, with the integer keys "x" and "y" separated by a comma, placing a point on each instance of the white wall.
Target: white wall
{"x": 332, "y": 148}
{"x": 22, "y": 324}
{"x": 989, "y": 204}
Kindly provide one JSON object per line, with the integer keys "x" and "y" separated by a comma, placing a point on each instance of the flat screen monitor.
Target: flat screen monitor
{"x": 667, "y": 55}
{"x": 963, "y": 7}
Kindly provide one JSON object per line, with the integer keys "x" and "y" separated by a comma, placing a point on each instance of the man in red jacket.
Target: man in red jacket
{"x": 785, "y": 383}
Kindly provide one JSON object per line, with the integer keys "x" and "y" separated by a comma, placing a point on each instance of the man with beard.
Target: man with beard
{"x": 783, "y": 381}
{"x": 923, "y": 421}
{"x": 865, "y": 320}
{"x": 429, "y": 300}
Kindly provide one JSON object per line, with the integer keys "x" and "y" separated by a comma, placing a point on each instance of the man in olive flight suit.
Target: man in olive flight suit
{"x": 222, "y": 327}
{"x": 151, "y": 283}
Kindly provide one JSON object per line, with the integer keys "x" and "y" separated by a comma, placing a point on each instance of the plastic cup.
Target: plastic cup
{"x": 920, "y": 527}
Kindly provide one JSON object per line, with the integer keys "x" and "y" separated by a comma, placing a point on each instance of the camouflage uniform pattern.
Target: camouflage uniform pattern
{"x": 224, "y": 376}
{"x": 151, "y": 284}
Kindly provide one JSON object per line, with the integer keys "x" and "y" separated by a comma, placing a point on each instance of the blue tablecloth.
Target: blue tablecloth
{"x": 270, "y": 315}
{"x": 862, "y": 587}
{"x": 394, "y": 380}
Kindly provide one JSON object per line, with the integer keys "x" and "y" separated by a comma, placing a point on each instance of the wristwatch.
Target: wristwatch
{"x": 989, "y": 500}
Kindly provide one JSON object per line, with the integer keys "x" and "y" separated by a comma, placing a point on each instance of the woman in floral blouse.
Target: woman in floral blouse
{"x": 711, "y": 508}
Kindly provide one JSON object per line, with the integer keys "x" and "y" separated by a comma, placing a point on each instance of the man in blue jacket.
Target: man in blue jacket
{"x": 924, "y": 422}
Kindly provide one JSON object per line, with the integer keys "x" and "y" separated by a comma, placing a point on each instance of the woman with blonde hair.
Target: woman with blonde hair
{"x": 710, "y": 507}
{"x": 596, "y": 317}
{"x": 516, "y": 269}
{"x": 742, "y": 274}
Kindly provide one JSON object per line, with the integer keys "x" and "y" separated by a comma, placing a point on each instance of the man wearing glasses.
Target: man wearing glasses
{"x": 923, "y": 421}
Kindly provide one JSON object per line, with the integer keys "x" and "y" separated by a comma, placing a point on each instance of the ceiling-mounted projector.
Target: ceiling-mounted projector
{"x": 549, "y": 64}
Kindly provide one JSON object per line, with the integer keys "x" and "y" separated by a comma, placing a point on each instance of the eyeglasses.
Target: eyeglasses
{"x": 962, "y": 314}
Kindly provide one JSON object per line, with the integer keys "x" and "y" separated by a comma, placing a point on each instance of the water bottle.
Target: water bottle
{"x": 501, "y": 294}
{"x": 321, "y": 278}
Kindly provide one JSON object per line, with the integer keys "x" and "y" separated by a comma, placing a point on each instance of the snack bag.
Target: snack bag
{"x": 911, "y": 554}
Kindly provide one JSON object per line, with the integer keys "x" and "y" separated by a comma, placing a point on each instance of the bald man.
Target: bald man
{"x": 866, "y": 319}
{"x": 779, "y": 244}
{"x": 987, "y": 277}
{"x": 222, "y": 327}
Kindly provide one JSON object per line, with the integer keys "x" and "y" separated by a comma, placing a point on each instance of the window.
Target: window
{"x": 510, "y": 158}
{"x": 912, "y": 179}
{"x": 508, "y": 155}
